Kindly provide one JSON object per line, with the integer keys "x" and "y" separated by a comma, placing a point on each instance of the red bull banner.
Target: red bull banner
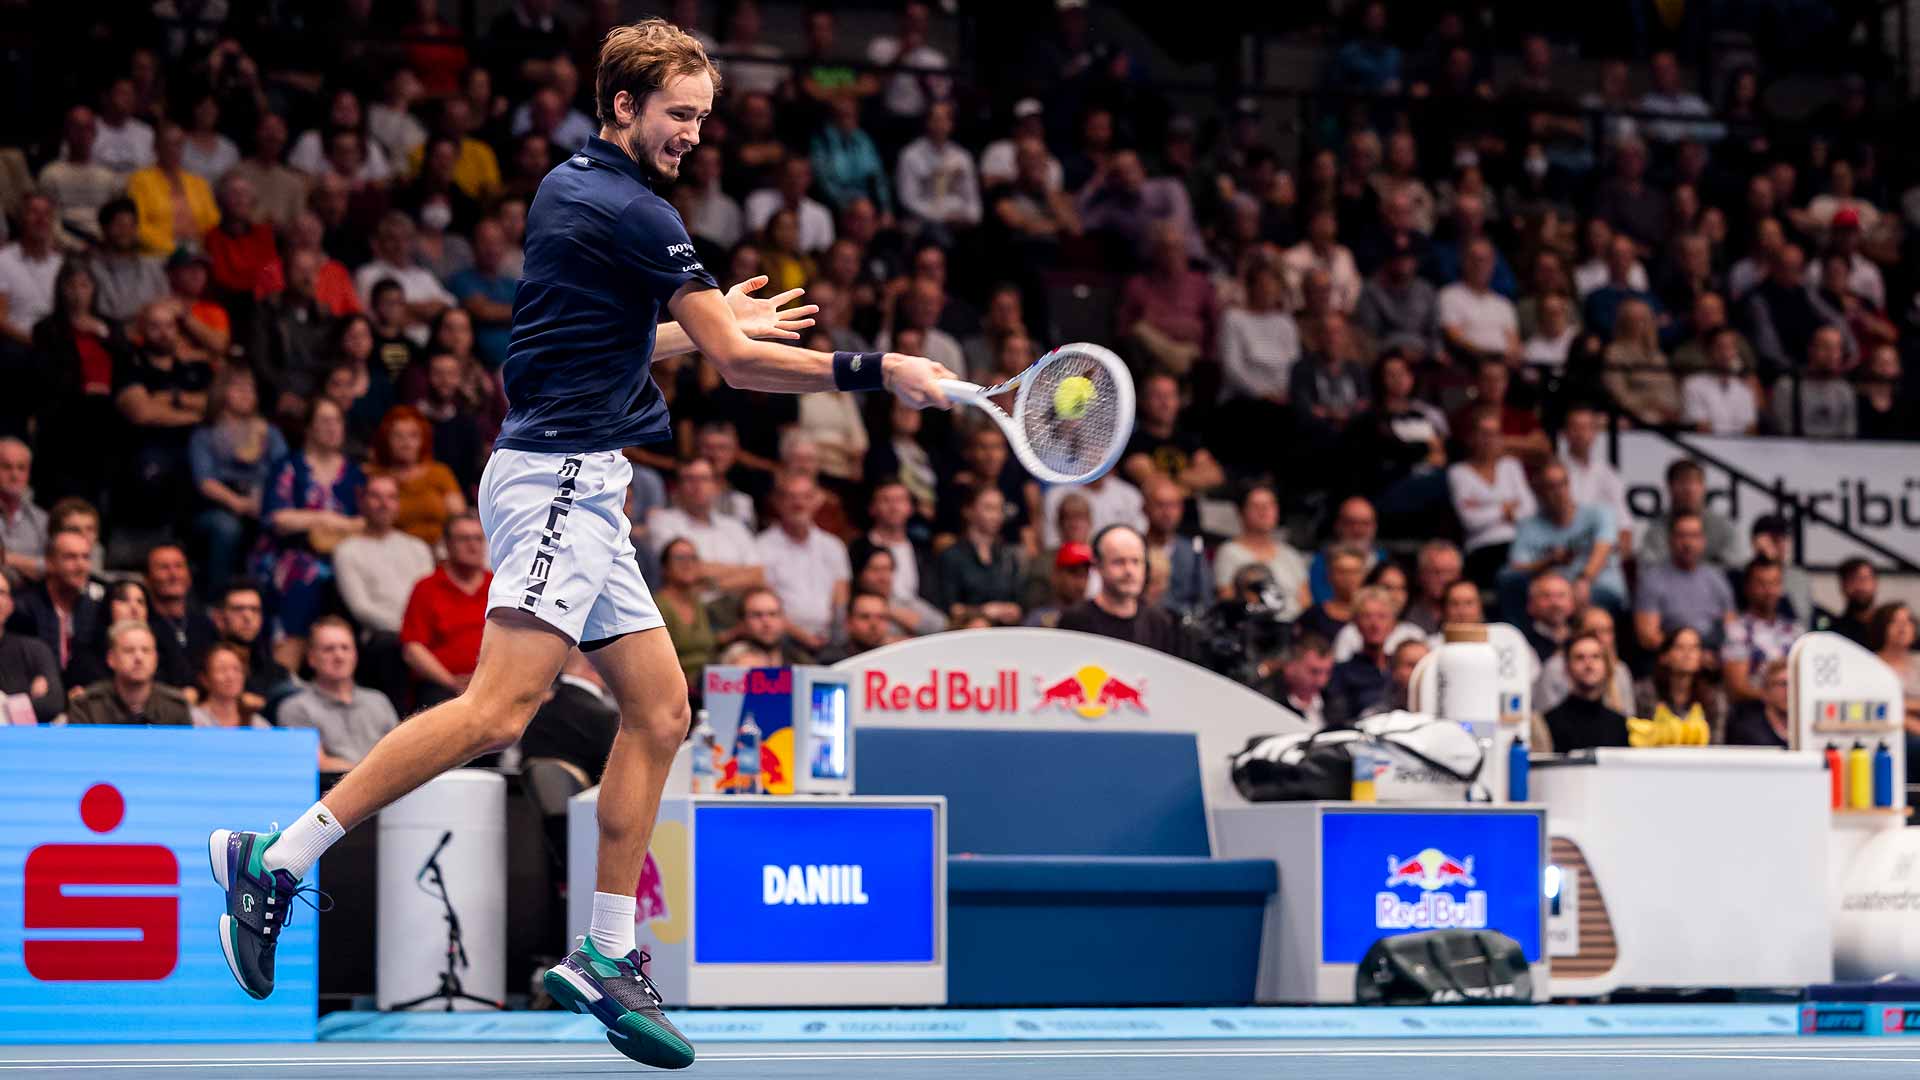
{"x": 765, "y": 695}
{"x": 1089, "y": 692}
{"x": 1029, "y": 678}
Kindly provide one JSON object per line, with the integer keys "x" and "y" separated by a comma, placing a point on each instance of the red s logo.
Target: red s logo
{"x": 51, "y": 868}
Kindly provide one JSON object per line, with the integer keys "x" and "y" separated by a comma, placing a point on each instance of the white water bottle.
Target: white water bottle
{"x": 702, "y": 748}
{"x": 746, "y": 756}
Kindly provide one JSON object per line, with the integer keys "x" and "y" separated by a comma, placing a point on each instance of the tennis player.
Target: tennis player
{"x": 605, "y": 253}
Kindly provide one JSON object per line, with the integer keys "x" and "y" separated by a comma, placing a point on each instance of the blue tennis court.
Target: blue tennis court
{"x": 1571, "y": 1059}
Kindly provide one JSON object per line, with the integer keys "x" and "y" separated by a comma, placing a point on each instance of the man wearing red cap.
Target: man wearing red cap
{"x": 1863, "y": 277}
{"x": 1072, "y": 566}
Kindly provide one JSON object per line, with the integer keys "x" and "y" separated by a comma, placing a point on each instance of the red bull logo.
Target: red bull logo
{"x": 773, "y": 775}
{"x": 1092, "y": 692}
{"x": 944, "y": 691}
{"x": 1430, "y": 871}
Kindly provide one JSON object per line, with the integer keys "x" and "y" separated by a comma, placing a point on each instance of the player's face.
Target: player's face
{"x": 669, "y": 123}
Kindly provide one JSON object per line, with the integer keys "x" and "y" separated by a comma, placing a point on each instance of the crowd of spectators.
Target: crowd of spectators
{"x": 253, "y": 306}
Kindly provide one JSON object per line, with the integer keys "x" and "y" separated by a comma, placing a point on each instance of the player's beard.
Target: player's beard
{"x": 655, "y": 175}
{"x": 646, "y": 157}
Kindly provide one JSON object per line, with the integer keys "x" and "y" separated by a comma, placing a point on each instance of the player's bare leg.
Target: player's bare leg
{"x": 643, "y": 673}
{"x": 519, "y": 659}
{"x": 605, "y": 976}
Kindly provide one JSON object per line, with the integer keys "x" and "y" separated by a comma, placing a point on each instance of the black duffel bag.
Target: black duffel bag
{"x": 1445, "y": 967}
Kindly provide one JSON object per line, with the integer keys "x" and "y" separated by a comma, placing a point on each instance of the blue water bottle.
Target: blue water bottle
{"x": 1517, "y": 770}
{"x": 1883, "y": 775}
{"x": 746, "y": 756}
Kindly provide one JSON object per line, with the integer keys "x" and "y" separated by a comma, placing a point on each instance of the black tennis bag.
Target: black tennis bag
{"x": 1427, "y": 760}
{"x": 1445, "y": 967}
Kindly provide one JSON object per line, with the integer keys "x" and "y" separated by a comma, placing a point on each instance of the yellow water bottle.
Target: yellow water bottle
{"x": 1859, "y": 777}
{"x": 1362, "y": 773}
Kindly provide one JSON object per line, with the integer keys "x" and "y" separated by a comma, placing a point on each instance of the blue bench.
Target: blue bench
{"x": 1080, "y": 872}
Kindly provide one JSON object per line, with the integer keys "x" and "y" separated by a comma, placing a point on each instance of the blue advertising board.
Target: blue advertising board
{"x": 816, "y": 885}
{"x": 1384, "y": 873}
{"x": 107, "y": 906}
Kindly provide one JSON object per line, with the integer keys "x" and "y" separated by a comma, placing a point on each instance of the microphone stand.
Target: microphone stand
{"x": 432, "y": 882}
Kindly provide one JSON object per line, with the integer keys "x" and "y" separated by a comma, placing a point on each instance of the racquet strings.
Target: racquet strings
{"x": 1077, "y": 446}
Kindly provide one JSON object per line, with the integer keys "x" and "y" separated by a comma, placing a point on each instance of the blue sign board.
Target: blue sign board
{"x": 107, "y": 906}
{"x": 815, "y": 885}
{"x": 1384, "y": 873}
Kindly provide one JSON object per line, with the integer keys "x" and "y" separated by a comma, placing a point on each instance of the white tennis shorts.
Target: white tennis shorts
{"x": 560, "y": 545}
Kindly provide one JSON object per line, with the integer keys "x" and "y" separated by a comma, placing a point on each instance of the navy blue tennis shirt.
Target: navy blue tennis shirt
{"x": 604, "y": 254}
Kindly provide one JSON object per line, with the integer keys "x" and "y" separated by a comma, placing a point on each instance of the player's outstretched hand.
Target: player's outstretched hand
{"x": 761, "y": 317}
{"x": 915, "y": 380}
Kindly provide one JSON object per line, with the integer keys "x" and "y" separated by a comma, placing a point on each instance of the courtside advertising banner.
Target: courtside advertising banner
{"x": 108, "y": 908}
{"x": 1033, "y": 679}
{"x": 1384, "y": 874}
{"x": 1871, "y": 488}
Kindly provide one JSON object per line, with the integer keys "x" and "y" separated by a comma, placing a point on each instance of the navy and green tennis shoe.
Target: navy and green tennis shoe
{"x": 618, "y": 993}
{"x": 259, "y": 904}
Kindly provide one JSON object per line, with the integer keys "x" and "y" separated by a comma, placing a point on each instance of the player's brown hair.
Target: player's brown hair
{"x": 641, "y": 58}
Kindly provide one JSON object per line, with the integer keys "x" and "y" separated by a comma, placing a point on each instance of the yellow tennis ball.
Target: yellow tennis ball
{"x": 1072, "y": 396}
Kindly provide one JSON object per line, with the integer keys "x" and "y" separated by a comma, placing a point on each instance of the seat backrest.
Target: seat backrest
{"x": 1046, "y": 792}
{"x": 551, "y": 782}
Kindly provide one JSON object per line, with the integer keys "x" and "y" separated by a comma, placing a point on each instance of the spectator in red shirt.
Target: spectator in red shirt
{"x": 1520, "y": 427}
{"x": 440, "y": 634}
{"x": 332, "y": 283}
{"x": 435, "y": 50}
{"x": 241, "y": 246}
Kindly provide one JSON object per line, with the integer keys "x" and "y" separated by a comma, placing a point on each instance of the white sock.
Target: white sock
{"x": 612, "y": 928}
{"x": 301, "y": 843}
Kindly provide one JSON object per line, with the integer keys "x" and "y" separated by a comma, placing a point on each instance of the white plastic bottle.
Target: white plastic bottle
{"x": 1467, "y": 692}
{"x": 746, "y": 756}
{"x": 702, "y": 747}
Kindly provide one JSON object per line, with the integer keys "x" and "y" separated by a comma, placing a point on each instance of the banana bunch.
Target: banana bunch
{"x": 1666, "y": 729}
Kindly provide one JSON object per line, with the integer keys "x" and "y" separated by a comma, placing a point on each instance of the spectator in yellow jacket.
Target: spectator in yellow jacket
{"x": 176, "y": 207}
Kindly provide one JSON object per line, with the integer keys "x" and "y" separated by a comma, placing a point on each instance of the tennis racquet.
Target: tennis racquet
{"x": 1062, "y": 435}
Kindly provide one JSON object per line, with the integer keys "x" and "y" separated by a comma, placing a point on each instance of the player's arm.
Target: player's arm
{"x": 759, "y": 317}
{"x": 783, "y": 369}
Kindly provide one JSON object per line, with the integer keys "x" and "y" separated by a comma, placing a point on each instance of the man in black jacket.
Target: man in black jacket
{"x": 27, "y": 667}
{"x": 67, "y": 611}
{"x": 577, "y": 723}
{"x": 181, "y": 630}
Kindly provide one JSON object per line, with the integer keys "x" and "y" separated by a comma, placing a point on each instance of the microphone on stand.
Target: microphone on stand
{"x": 433, "y": 859}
